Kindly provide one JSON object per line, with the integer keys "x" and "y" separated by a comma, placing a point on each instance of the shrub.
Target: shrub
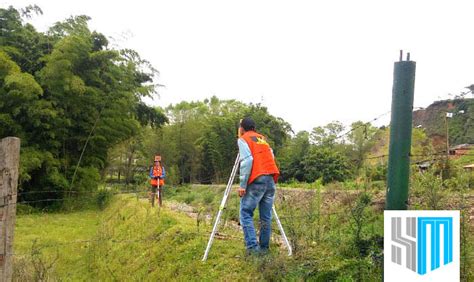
{"x": 208, "y": 198}
{"x": 103, "y": 198}
{"x": 189, "y": 198}
{"x": 379, "y": 185}
{"x": 429, "y": 186}
{"x": 87, "y": 179}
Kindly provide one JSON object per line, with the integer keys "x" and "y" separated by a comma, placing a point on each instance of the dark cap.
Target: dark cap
{"x": 247, "y": 124}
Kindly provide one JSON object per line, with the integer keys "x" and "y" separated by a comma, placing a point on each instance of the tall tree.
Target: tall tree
{"x": 362, "y": 139}
{"x": 70, "y": 98}
{"x": 292, "y": 156}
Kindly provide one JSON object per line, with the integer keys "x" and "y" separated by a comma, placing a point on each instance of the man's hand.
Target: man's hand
{"x": 241, "y": 191}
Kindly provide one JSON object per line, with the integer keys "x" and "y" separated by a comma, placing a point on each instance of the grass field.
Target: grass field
{"x": 127, "y": 241}
{"x": 336, "y": 236}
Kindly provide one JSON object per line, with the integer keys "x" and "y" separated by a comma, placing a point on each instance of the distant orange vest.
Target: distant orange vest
{"x": 157, "y": 172}
{"x": 263, "y": 161}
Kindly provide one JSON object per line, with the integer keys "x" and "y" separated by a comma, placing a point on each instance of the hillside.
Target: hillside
{"x": 461, "y": 125}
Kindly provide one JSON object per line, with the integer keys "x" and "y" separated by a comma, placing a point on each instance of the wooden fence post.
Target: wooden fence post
{"x": 9, "y": 165}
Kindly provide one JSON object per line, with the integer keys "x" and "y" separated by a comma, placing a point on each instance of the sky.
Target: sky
{"x": 309, "y": 62}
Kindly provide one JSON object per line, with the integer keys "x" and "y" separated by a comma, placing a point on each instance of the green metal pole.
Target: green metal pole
{"x": 400, "y": 134}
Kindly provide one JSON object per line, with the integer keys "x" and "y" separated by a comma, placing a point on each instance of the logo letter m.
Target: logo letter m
{"x": 435, "y": 230}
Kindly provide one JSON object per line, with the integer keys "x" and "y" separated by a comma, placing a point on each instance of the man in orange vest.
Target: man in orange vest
{"x": 258, "y": 175}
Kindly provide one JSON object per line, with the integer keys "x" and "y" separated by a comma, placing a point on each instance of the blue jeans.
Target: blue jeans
{"x": 260, "y": 192}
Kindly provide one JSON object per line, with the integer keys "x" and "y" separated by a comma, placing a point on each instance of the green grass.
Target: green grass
{"x": 171, "y": 246}
{"x": 130, "y": 240}
{"x": 46, "y": 237}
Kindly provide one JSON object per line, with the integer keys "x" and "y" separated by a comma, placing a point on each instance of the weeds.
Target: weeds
{"x": 103, "y": 198}
{"x": 36, "y": 266}
{"x": 335, "y": 234}
{"x": 429, "y": 186}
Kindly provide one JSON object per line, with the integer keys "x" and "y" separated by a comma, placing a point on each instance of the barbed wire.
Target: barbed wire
{"x": 204, "y": 233}
{"x": 360, "y": 126}
{"x": 430, "y": 156}
{"x": 220, "y": 235}
{"x": 80, "y": 192}
{"x": 313, "y": 216}
{"x": 138, "y": 191}
{"x": 65, "y": 199}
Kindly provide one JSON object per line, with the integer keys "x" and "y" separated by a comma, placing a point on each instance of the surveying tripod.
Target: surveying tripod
{"x": 221, "y": 209}
{"x": 154, "y": 194}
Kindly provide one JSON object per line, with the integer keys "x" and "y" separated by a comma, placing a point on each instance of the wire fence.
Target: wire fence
{"x": 202, "y": 233}
{"x": 363, "y": 125}
{"x": 93, "y": 194}
{"x": 223, "y": 234}
{"x": 77, "y": 193}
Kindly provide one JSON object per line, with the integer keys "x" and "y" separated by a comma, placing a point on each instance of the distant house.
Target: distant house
{"x": 461, "y": 150}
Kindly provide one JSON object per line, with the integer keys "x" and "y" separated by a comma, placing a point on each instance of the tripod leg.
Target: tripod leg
{"x": 160, "y": 196}
{"x": 152, "y": 196}
{"x": 221, "y": 207}
{"x": 288, "y": 246}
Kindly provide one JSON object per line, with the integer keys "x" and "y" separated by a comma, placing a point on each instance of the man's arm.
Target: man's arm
{"x": 246, "y": 161}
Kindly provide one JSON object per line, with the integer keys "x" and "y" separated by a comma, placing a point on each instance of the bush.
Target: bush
{"x": 353, "y": 185}
{"x": 359, "y": 221}
{"x": 140, "y": 178}
{"x": 22, "y": 209}
{"x": 87, "y": 179}
{"x": 208, "y": 198}
{"x": 378, "y": 173}
{"x": 429, "y": 186}
{"x": 103, "y": 198}
{"x": 189, "y": 198}
{"x": 379, "y": 185}
{"x": 172, "y": 175}
{"x": 327, "y": 164}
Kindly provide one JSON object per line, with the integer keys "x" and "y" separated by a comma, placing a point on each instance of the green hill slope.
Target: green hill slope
{"x": 461, "y": 124}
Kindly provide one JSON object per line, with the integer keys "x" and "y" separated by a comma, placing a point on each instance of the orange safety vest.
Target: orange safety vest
{"x": 263, "y": 160}
{"x": 157, "y": 172}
